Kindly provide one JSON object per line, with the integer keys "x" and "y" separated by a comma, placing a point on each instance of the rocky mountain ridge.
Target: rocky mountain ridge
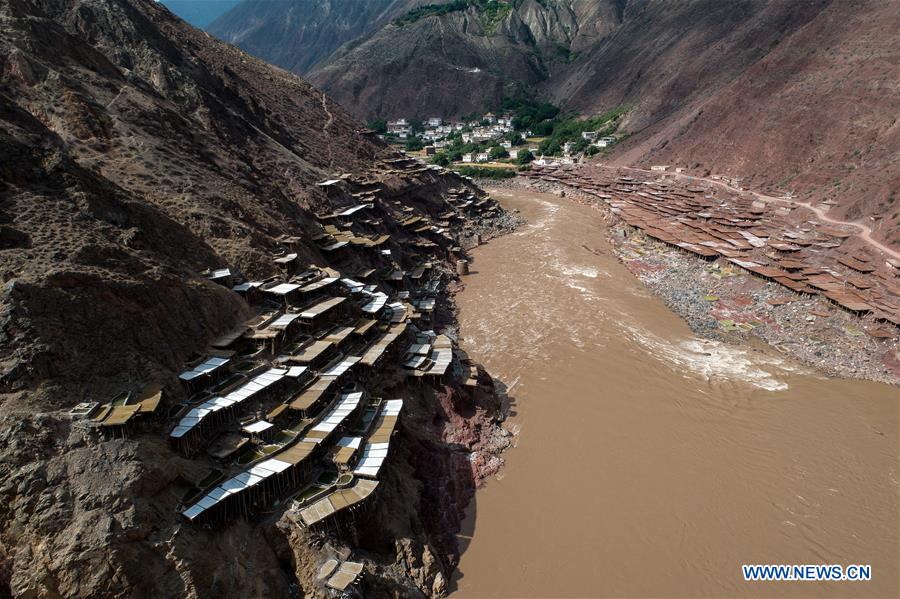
{"x": 465, "y": 60}
{"x": 297, "y": 35}
{"x": 137, "y": 153}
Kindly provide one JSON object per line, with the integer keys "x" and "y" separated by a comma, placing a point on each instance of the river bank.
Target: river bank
{"x": 648, "y": 460}
{"x": 727, "y": 304}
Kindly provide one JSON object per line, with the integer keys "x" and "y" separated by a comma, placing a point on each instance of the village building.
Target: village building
{"x": 398, "y": 126}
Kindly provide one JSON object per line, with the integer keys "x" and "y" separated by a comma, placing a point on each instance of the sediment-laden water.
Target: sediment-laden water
{"x": 651, "y": 463}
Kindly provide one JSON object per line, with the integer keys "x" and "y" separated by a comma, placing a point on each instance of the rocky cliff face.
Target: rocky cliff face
{"x": 464, "y": 60}
{"x": 136, "y": 152}
{"x": 296, "y": 35}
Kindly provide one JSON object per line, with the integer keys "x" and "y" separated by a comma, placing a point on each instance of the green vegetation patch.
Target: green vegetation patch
{"x": 547, "y": 123}
{"x": 570, "y": 128}
{"x": 530, "y": 115}
{"x": 431, "y": 10}
{"x": 480, "y": 172}
{"x": 490, "y": 12}
{"x": 378, "y": 126}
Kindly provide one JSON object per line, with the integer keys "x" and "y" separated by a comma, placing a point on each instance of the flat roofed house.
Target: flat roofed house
{"x": 309, "y": 399}
{"x": 283, "y": 292}
{"x": 398, "y": 126}
{"x": 329, "y": 310}
{"x": 313, "y": 354}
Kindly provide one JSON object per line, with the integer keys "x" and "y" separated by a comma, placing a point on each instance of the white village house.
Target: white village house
{"x": 399, "y": 126}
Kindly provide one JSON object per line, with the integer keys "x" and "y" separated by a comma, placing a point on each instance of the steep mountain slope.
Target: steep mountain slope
{"x": 296, "y": 35}
{"x": 200, "y": 13}
{"x": 135, "y": 153}
{"x": 816, "y": 114}
{"x": 665, "y": 54}
{"x": 463, "y": 60}
{"x": 164, "y": 115}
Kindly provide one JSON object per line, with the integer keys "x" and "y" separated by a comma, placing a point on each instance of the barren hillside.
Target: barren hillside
{"x": 136, "y": 153}
{"x": 138, "y": 118}
{"x": 816, "y": 115}
{"x": 296, "y": 35}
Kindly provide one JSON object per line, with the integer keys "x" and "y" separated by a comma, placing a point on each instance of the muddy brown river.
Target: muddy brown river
{"x": 651, "y": 463}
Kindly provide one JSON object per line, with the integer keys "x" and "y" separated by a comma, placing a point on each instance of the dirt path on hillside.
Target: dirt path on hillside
{"x": 328, "y": 121}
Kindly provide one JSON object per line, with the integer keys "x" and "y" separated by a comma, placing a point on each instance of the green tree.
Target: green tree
{"x": 441, "y": 159}
{"x": 378, "y": 125}
{"x": 498, "y": 152}
{"x": 550, "y": 147}
{"x": 414, "y": 144}
{"x": 525, "y": 156}
{"x": 515, "y": 138}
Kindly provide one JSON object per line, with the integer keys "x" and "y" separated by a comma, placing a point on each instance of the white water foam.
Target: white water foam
{"x": 714, "y": 360}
